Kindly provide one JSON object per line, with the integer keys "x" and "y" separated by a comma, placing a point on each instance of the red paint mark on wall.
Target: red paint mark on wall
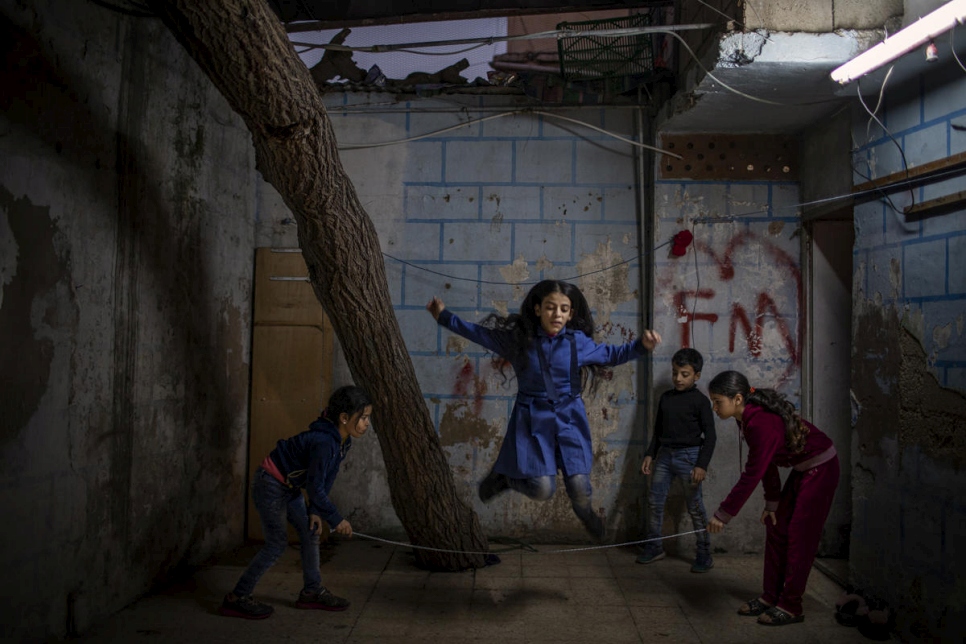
{"x": 468, "y": 383}
{"x": 766, "y": 306}
{"x": 686, "y": 316}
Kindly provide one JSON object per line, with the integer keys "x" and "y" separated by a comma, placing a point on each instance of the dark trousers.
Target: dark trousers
{"x": 792, "y": 543}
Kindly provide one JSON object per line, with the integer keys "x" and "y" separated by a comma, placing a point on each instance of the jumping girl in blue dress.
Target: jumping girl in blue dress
{"x": 550, "y": 345}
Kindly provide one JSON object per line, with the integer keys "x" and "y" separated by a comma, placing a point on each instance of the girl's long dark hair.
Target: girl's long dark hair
{"x": 732, "y": 383}
{"x": 349, "y": 400}
{"x": 523, "y": 326}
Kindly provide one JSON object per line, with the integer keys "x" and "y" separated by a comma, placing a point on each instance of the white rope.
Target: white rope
{"x": 549, "y": 552}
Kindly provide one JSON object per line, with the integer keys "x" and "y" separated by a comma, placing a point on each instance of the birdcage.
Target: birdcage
{"x": 588, "y": 56}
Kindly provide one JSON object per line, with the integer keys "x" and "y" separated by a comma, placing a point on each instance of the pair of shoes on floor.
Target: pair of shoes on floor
{"x": 650, "y": 557}
{"x": 702, "y": 565}
{"x": 492, "y": 485}
{"x": 321, "y": 599}
{"x": 778, "y": 617}
{"x": 245, "y": 607}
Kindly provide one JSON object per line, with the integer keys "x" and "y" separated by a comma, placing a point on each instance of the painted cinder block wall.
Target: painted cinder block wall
{"x": 909, "y": 360}
{"x": 735, "y": 296}
{"x": 476, "y": 215}
{"x": 126, "y": 193}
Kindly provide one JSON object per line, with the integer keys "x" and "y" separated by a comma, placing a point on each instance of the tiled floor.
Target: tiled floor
{"x": 594, "y": 596}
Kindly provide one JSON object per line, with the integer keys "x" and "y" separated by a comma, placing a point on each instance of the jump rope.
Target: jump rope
{"x": 528, "y": 547}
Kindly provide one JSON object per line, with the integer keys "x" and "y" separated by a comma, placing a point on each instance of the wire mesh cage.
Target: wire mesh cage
{"x": 588, "y": 57}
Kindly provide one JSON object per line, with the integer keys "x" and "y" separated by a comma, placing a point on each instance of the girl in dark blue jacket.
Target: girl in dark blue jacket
{"x": 548, "y": 344}
{"x": 309, "y": 460}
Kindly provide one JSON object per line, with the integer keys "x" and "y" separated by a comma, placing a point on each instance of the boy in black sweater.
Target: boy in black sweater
{"x": 681, "y": 447}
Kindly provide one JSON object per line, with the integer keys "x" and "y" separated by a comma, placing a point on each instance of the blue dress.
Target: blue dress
{"x": 548, "y": 428}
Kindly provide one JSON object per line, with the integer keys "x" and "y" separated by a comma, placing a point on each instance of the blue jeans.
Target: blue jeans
{"x": 668, "y": 465}
{"x": 542, "y": 488}
{"x": 275, "y": 503}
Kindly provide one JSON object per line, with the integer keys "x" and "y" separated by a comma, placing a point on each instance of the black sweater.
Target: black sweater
{"x": 684, "y": 419}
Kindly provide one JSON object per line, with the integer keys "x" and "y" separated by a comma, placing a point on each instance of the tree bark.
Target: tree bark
{"x": 242, "y": 47}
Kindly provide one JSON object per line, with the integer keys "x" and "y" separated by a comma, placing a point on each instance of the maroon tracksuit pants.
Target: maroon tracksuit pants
{"x": 793, "y": 541}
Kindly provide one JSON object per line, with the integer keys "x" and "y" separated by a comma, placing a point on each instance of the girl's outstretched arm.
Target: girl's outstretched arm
{"x": 435, "y": 307}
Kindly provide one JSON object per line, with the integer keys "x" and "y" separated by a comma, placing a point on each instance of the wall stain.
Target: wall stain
{"x": 516, "y": 272}
{"x": 900, "y": 397}
{"x": 39, "y": 271}
{"x": 459, "y": 424}
{"x": 456, "y": 345}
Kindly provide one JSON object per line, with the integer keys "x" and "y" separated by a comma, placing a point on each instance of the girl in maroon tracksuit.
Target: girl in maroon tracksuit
{"x": 794, "y": 515}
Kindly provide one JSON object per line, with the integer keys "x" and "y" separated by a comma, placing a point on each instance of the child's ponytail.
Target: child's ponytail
{"x": 732, "y": 383}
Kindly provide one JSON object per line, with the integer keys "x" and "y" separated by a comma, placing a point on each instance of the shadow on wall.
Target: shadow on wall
{"x": 170, "y": 496}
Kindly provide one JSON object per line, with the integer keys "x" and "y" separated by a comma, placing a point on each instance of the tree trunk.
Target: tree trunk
{"x": 242, "y": 47}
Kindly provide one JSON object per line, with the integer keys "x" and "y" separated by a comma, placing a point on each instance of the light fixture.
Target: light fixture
{"x": 902, "y": 42}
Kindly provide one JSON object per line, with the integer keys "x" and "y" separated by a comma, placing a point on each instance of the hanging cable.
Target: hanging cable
{"x": 489, "y": 40}
{"x": 902, "y": 153}
{"x": 952, "y": 46}
{"x": 698, "y": 62}
{"x": 361, "y": 146}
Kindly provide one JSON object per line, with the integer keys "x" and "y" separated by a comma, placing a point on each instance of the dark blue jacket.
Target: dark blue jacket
{"x": 311, "y": 460}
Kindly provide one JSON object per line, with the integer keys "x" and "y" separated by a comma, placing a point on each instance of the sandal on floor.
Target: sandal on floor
{"x": 779, "y": 617}
{"x": 755, "y": 608}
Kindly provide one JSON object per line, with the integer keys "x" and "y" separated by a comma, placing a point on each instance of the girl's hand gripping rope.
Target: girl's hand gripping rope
{"x": 649, "y": 339}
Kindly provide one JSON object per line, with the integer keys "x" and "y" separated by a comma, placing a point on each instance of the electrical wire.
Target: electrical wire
{"x": 694, "y": 222}
{"x": 902, "y": 153}
{"x": 738, "y": 22}
{"x": 739, "y": 92}
{"x": 497, "y": 283}
{"x": 878, "y": 104}
{"x": 489, "y": 40}
{"x": 952, "y": 46}
{"x": 362, "y": 146}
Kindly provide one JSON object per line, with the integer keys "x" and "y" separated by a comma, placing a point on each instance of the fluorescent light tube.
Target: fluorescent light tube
{"x": 902, "y": 42}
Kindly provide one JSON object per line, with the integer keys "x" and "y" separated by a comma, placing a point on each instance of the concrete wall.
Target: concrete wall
{"x": 909, "y": 361}
{"x": 743, "y": 270}
{"x": 126, "y": 201}
{"x": 819, "y": 15}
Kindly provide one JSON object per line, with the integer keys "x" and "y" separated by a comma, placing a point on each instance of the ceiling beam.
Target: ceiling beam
{"x": 315, "y": 15}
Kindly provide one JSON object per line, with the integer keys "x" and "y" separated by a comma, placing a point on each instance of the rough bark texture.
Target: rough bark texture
{"x": 242, "y": 47}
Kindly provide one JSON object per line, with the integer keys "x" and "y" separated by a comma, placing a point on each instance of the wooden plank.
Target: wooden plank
{"x": 936, "y": 206}
{"x": 284, "y": 301}
{"x": 288, "y": 365}
{"x": 914, "y": 173}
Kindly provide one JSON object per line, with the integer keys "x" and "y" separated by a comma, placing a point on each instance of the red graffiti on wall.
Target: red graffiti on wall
{"x": 686, "y": 308}
{"x": 686, "y": 317}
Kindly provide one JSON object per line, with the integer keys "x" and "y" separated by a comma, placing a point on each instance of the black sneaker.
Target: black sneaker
{"x": 322, "y": 600}
{"x": 492, "y": 485}
{"x": 245, "y": 607}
